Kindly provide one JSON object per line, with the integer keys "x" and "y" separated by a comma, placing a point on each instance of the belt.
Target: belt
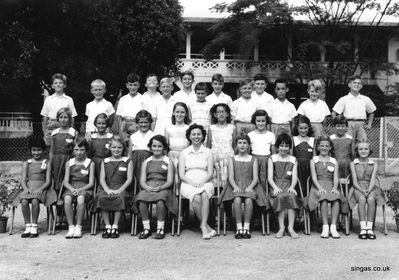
{"x": 356, "y": 120}
{"x": 281, "y": 123}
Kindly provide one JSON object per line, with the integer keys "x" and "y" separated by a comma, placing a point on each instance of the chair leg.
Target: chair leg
{"x": 179, "y": 215}
{"x": 224, "y": 221}
{"x": 263, "y": 224}
{"x": 346, "y": 217}
{"x": 49, "y": 219}
{"x": 218, "y": 222}
{"x": 133, "y": 218}
{"x": 268, "y": 223}
{"x": 12, "y": 220}
{"x": 136, "y": 218}
{"x": 173, "y": 226}
{"x": 384, "y": 220}
{"x": 95, "y": 223}
{"x": 308, "y": 218}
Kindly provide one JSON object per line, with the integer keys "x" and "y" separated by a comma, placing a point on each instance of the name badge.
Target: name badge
{"x": 43, "y": 166}
{"x": 68, "y": 140}
{"x": 164, "y": 167}
{"x": 330, "y": 168}
{"x": 84, "y": 171}
{"x": 122, "y": 168}
{"x": 289, "y": 173}
{"x": 310, "y": 150}
{"x": 107, "y": 146}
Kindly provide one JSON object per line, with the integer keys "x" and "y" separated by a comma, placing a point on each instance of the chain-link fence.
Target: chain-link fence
{"x": 14, "y": 137}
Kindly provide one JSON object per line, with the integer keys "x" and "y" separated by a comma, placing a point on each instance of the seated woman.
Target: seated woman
{"x": 195, "y": 171}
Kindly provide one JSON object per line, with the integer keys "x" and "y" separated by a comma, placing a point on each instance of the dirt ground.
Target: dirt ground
{"x": 190, "y": 257}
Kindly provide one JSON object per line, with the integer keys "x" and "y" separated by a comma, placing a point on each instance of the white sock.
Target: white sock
{"x": 114, "y": 226}
{"x": 33, "y": 229}
{"x": 333, "y": 227}
{"x": 28, "y": 228}
{"x": 79, "y": 226}
{"x": 160, "y": 224}
{"x": 246, "y": 226}
{"x": 369, "y": 225}
{"x": 146, "y": 224}
{"x": 363, "y": 225}
{"x": 239, "y": 226}
{"x": 108, "y": 227}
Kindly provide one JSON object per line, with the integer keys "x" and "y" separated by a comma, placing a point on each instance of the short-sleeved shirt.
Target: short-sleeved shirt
{"x": 140, "y": 140}
{"x": 316, "y": 111}
{"x": 281, "y": 112}
{"x": 163, "y": 114}
{"x": 200, "y": 113}
{"x": 151, "y": 100}
{"x": 181, "y": 96}
{"x": 261, "y": 142}
{"x": 94, "y": 108}
{"x": 129, "y": 105}
{"x": 221, "y": 98}
{"x": 354, "y": 107}
{"x": 263, "y": 100}
{"x": 196, "y": 159}
{"x": 54, "y": 102}
{"x": 242, "y": 109}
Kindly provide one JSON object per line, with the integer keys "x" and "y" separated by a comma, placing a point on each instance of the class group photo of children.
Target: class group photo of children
{"x": 199, "y": 157}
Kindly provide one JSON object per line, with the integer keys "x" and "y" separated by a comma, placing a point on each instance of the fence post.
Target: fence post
{"x": 384, "y": 120}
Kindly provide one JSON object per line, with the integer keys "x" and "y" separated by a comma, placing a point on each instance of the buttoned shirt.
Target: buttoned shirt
{"x": 129, "y": 105}
{"x": 263, "y": 100}
{"x": 55, "y": 102}
{"x": 94, "y": 108}
{"x": 316, "y": 111}
{"x": 281, "y": 112}
{"x": 354, "y": 107}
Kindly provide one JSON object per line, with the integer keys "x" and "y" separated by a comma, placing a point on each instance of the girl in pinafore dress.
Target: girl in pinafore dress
{"x": 364, "y": 191}
{"x": 303, "y": 150}
{"x": 138, "y": 144}
{"x": 157, "y": 174}
{"x": 99, "y": 143}
{"x": 324, "y": 170}
{"x": 79, "y": 181}
{"x": 262, "y": 143}
{"x": 282, "y": 178}
{"x": 36, "y": 178}
{"x": 116, "y": 175}
{"x": 220, "y": 139}
{"x": 343, "y": 146}
{"x": 244, "y": 186}
{"x": 61, "y": 150}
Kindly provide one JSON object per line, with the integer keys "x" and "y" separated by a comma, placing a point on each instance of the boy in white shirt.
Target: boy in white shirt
{"x": 281, "y": 111}
{"x": 259, "y": 93}
{"x": 186, "y": 94}
{"x": 355, "y": 108}
{"x": 151, "y": 95}
{"x": 217, "y": 96}
{"x": 53, "y": 103}
{"x": 200, "y": 109}
{"x": 314, "y": 108}
{"x": 128, "y": 107}
{"x": 97, "y": 106}
{"x": 164, "y": 106}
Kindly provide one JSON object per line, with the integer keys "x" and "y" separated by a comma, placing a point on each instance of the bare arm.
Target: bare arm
{"x": 294, "y": 179}
{"x": 314, "y": 177}
{"x": 373, "y": 178}
{"x": 48, "y": 179}
{"x": 231, "y": 176}
{"x": 169, "y": 178}
{"x": 128, "y": 179}
{"x": 66, "y": 178}
{"x": 370, "y": 120}
{"x": 354, "y": 179}
{"x": 209, "y": 139}
{"x": 24, "y": 177}
{"x": 336, "y": 179}
{"x": 91, "y": 179}
{"x": 102, "y": 179}
{"x": 270, "y": 174}
{"x": 255, "y": 175}
{"x": 334, "y": 114}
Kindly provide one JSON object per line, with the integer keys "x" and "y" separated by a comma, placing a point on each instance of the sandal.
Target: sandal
{"x": 293, "y": 234}
{"x": 145, "y": 234}
{"x": 363, "y": 234}
{"x": 280, "y": 234}
{"x": 370, "y": 234}
{"x": 114, "y": 233}
{"x": 206, "y": 236}
{"x": 160, "y": 234}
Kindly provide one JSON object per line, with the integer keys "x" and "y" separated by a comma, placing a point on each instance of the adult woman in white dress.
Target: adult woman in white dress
{"x": 195, "y": 171}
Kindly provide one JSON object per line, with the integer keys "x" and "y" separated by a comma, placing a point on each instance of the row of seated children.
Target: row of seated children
{"x": 62, "y": 143}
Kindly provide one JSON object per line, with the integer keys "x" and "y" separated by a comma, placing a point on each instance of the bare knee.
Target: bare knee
{"x": 68, "y": 200}
{"x": 362, "y": 201}
{"x": 197, "y": 198}
{"x": 24, "y": 202}
{"x": 81, "y": 199}
{"x": 35, "y": 202}
{"x": 370, "y": 200}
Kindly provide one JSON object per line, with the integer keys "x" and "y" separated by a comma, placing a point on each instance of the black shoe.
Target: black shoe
{"x": 34, "y": 235}
{"x": 238, "y": 234}
{"x": 145, "y": 234}
{"x": 246, "y": 235}
{"x": 160, "y": 234}
{"x": 25, "y": 235}
{"x": 106, "y": 233}
{"x": 114, "y": 233}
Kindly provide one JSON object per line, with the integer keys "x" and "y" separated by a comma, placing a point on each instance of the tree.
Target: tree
{"x": 89, "y": 39}
{"x": 323, "y": 41}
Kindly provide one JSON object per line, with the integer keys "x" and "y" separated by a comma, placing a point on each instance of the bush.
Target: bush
{"x": 393, "y": 198}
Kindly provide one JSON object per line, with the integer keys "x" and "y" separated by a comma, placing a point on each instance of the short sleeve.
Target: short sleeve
{"x": 370, "y": 107}
{"x": 110, "y": 109}
{"x": 87, "y": 113}
{"x": 72, "y": 107}
{"x": 234, "y": 108}
{"x": 339, "y": 106}
{"x": 293, "y": 113}
{"x": 301, "y": 110}
{"x": 45, "y": 110}
{"x": 326, "y": 110}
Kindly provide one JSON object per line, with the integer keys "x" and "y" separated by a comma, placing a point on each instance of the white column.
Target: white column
{"x": 221, "y": 55}
{"x": 188, "y": 44}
